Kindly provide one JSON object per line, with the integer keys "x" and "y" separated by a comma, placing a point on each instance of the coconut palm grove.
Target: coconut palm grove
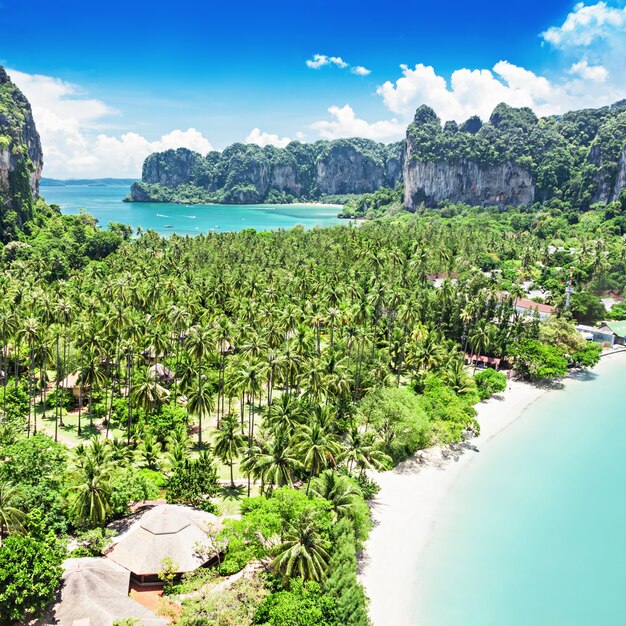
{"x": 257, "y": 382}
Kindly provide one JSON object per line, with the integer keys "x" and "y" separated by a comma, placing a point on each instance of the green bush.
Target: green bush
{"x": 398, "y": 418}
{"x": 489, "y": 382}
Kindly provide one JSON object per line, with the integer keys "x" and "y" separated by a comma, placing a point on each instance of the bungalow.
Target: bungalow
{"x": 167, "y": 530}
{"x": 617, "y": 330}
{"x": 162, "y": 373}
{"x": 95, "y": 593}
{"x": 483, "y": 361}
{"x": 528, "y": 307}
{"x": 72, "y": 383}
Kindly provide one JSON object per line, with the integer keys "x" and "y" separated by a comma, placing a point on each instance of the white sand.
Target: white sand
{"x": 406, "y": 507}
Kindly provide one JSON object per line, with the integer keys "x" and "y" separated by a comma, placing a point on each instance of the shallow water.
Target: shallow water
{"x": 105, "y": 203}
{"x": 534, "y": 532}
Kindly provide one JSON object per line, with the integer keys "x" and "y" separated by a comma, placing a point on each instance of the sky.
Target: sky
{"x": 112, "y": 82}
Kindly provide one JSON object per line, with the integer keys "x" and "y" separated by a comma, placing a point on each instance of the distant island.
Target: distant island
{"x": 87, "y": 182}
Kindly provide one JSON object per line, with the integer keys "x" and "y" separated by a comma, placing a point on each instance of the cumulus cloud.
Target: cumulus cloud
{"x": 345, "y": 123}
{"x": 477, "y": 92}
{"x": 320, "y": 60}
{"x": 266, "y": 139}
{"x": 587, "y": 24}
{"x": 71, "y": 126}
{"x": 589, "y": 72}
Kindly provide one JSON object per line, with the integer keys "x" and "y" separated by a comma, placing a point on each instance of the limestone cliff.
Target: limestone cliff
{"x": 620, "y": 181}
{"x": 432, "y": 182}
{"x": 21, "y": 157}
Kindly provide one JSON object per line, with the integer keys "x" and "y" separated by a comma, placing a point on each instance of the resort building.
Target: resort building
{"x": 161, "y": 373}
{"x": 71, "y": 383}
{"x": 483, "y": 361}
{"x": 172, "y": 531}
{"x": 94, "y": 592}
{"x": 528, "y": 307}
{"x": 609, "y": 334}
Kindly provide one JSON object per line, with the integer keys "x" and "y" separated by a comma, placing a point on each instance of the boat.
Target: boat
{"x": 168, "y": 226}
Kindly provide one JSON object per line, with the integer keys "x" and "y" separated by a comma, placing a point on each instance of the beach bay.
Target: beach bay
{"x": 105, "y": 203}
{"x": 523, "y": 525}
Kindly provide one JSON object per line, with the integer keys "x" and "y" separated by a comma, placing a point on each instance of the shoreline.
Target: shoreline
{"x": 406, "y": 508}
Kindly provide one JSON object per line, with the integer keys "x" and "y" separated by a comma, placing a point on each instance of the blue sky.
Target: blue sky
{"x": 112, "y": 81}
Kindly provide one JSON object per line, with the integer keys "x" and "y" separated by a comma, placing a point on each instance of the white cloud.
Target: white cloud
{"x": 587, "y": 24}
{"x": 345, "y": 123}
{"x": 266, "y": 139}
{"x": 477, "y": 92}
{"x": 589, "y": 72}
{"x": 321, "y": 60}
{"x": 70, "y": 125}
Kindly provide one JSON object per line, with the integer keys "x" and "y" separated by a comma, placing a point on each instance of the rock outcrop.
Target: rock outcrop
{"x": 469, "y": 182}
{"x": 21, "y": 157}
{"x": 620, "y": 181}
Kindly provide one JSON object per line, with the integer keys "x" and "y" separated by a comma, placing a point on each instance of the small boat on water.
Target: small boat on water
{"x": 168, "y": 226}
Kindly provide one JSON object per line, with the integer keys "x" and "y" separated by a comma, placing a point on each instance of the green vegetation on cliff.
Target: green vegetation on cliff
{"x": 574, "y": 157}
{"x": 244, "y": 174}
{"x": 20, "y": 159}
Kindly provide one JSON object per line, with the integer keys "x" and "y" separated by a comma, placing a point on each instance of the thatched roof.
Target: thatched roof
{"x": 95, "y": 593}
{"x": 161, "y": 372}
{"x": 70, "y": 381}
{"x": 168, "y": 530}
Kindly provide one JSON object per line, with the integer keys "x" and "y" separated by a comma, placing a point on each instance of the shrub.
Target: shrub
{"x": 489, "y": 382}
{"x": 399, "y": 420}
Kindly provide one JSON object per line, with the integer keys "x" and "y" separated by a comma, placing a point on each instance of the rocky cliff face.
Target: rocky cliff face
{"x": 433, "y": 182}
{"x": 620, "y": 182}
{"x": 21, "y": 157}
{"x": 346, "y": 170}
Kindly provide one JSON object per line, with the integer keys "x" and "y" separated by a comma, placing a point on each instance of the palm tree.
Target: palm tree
{"x": 147, "y": 393}
{"x": 92, "y": 494}
{"x": 149, "y": 451}
{"x": 341, "y": 491}
{"x": 360, "y": 451}
{"x": 31, "y": 331}
{"x": 273, "y": 462}
{"x": 11, "y": 516}
{"x": 229, "y": 443}
{"x": 303, "y": 551}
{"x": 316, "y": 448}
{"x": 200, "y": 403}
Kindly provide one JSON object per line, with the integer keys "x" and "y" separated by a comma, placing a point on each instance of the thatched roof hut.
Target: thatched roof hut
{"x": 168, "y": 530}
{"x": 95, "y": 593}
{"x": 162, "y": 373}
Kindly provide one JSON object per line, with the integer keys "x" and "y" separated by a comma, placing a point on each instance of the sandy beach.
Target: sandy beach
{"x": 406, "y": 507}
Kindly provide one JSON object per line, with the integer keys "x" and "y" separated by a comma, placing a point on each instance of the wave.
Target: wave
{"x": 191, "y": 217}
{"x": 161, "y": 215}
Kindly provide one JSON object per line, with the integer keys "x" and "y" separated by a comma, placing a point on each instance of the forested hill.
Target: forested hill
{"x": 514, "y": 158}
{"x": 245, "y": 174}
{"x": 21, "y": 158}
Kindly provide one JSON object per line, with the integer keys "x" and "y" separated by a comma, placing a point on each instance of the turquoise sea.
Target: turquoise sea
{"x": 534, "y": 532}
{"x": 105, "y": 203}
